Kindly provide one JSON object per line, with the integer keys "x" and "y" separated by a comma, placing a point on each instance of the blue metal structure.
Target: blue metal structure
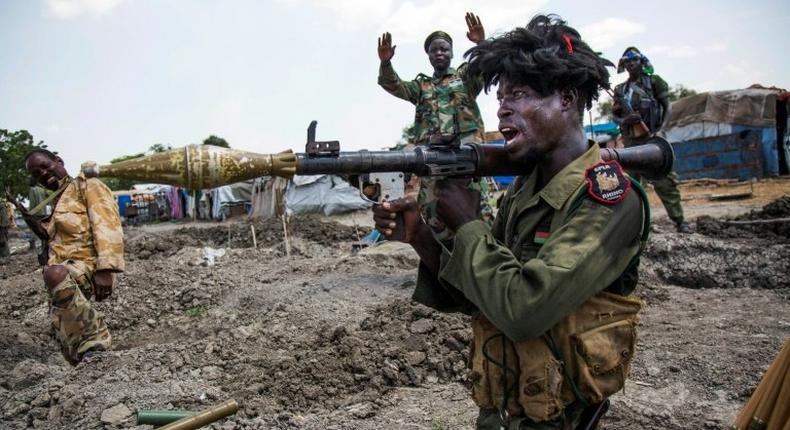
{"x": 748, "y": 152}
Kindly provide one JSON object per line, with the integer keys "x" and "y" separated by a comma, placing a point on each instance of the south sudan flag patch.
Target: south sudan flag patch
{"x": 541, "y": 237}
{"x": 608, "y": 183}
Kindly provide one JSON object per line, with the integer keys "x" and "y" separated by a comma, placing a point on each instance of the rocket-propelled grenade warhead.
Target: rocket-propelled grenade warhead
{"x": 197, "y": 167}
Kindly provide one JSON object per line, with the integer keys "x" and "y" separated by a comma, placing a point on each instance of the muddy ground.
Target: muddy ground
{"x": 323, "y": 339}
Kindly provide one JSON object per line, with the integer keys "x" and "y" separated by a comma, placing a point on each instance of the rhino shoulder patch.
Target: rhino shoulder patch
{"x": 608, "y": 183}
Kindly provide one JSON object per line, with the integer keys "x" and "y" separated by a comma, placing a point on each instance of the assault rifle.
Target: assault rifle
{"x": 638, "y": 129}
{"x": 34, "y": 224}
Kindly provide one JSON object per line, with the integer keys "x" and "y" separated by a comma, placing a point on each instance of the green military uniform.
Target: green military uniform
{"x": 643, "y": 95}
{"x": 443, "y": 106}
{"x": 4, "y": 225}
{"x": 548, "y": 287}
{"x": 85, "y": 235}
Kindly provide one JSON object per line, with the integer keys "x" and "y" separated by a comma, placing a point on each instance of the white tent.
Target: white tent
{"x": 327, "y": 194}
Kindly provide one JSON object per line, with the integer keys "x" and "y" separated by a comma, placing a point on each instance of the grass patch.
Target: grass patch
{"x": 198, "y": 311}
{"x": 438, "y": 423}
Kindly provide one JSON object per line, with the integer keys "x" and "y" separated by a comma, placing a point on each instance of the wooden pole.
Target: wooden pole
{"x": 758, "y": 221}
{"x": 254, "y": 241}
{"x": 285, "y": 235}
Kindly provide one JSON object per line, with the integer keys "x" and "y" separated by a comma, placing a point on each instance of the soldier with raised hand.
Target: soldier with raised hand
{"x": 445, "y": 108}
{"x": 85, "y": 244}
{"x": 549, "y": 285}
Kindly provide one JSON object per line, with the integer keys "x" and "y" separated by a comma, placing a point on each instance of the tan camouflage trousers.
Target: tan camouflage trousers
{"x": 77, "y": 326}
{"x": 426, "y": 200}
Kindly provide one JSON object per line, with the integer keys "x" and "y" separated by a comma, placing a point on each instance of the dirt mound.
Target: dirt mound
{"x": 18, "y": 264}
{"x": 733, "y": 229}
{"x": 269, "y": 233}
{"x": 401, "y": 344}
{"x": 326, "y": 339}
{"x": 695, "y": 261}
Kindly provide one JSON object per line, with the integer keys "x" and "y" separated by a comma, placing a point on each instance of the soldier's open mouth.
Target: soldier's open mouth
{"x": 509, "y": 133}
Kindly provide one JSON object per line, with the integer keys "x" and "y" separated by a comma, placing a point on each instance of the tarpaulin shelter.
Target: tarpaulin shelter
{"x": 327, "y": 194}
{"x": 730, "y": 134}
{"x": 268, "y": 197}
{"x": 228, "y": 196}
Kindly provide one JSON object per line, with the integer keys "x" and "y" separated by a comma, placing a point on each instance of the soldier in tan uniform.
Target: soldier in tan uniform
{"x": 85, "y": 244}
{"x": 549, "y": 285}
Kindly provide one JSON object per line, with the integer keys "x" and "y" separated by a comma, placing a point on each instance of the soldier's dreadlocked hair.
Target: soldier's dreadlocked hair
{"x": 547, "y": 55}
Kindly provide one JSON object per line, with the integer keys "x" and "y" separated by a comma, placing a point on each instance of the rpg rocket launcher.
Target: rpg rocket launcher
{"x": 206, "y": 166}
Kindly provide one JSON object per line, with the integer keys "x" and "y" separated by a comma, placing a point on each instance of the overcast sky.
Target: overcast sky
{"x": 96, "y": 79}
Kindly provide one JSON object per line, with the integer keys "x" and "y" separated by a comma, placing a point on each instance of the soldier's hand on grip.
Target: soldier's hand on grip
{"x": 387, "y": 221}
{"x": 457, "y": 204}
{"x": 102, "y": 284}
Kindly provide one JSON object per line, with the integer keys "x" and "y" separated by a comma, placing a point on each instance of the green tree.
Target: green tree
{"x": 13, "y": 174}
{"x": 679, "y": 91}
{"x": 159, "y": 147}
{"x": 216, "y": 141}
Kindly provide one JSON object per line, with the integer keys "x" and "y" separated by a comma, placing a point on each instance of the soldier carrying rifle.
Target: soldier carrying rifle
{"x": 641, "y": 107}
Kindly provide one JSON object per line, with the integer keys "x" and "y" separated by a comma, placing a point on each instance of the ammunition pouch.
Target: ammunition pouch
{"x": 587, "y": 360}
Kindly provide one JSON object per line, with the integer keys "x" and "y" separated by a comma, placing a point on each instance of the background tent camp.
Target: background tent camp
{"x": 261, "y": 198}
{"x": 740, "y": 134}
{"x": 327, "y": 194}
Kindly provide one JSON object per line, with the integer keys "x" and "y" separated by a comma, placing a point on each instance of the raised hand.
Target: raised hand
{"x": 476, "y": 31}
{"x": 386, "y": 49}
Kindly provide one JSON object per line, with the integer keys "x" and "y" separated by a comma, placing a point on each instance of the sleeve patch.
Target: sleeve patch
{"x": 608, "y": 183}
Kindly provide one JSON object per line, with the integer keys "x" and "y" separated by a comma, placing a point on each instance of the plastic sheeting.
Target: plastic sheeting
{"x": 327, "y": 194}
{"x": 268, "y": 197}
{"x": 697, "y": 130}
{"x": 755, "y": 107}
{"x": 233, "y": 193}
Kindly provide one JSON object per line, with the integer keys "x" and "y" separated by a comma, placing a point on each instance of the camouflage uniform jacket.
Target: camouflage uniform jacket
{"x": 443, "y": 106}
{"x": 85, "y": 226}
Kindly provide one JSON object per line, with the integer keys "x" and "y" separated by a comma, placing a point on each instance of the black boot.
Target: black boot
{"x": 683, "y": 227}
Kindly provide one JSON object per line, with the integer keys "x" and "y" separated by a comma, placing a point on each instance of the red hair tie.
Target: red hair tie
{"x": 568, "y": 44}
